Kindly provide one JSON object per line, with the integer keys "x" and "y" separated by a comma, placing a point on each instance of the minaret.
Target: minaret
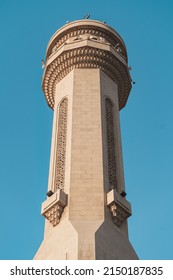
{"x": 86, "y": 82}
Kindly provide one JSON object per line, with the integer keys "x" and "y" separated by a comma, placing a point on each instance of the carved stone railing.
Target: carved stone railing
{"x": 91, "y": 31}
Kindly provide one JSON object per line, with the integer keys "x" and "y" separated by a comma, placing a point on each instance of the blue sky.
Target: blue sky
{"x": 26, "y": 120}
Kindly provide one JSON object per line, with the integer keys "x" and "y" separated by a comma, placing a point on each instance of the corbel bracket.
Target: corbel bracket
{"x": 119, "y": 207}
{"x": 53, "y": 206}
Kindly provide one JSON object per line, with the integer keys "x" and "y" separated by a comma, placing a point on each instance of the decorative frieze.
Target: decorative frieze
{"x": 61, "y": 145}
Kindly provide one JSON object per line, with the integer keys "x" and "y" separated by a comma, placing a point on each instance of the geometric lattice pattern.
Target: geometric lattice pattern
{"x": 112, "y": 176}
{"x": 54, "y": 214}
{"x": 61, "y": 146}
{"x": 53, "y": 207}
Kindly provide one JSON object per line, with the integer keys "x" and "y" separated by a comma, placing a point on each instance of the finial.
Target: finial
{"x": 87, "y": 16}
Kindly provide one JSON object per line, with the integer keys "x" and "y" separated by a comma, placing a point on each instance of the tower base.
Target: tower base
{"x": 86, "y": 242}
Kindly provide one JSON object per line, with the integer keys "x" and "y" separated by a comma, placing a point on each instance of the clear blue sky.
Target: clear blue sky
{"x": 146, "y": 121}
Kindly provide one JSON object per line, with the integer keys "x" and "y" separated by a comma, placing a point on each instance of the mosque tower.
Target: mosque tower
{"x": 86, "y": 83}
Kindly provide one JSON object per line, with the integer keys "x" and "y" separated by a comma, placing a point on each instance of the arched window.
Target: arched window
{"x": 61, "y": 145}
{"x": 112, "y": 173}
{"x": 93, "y": 38}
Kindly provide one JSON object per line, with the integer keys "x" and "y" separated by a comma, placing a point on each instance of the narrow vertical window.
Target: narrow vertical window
{"x": 110, "y": 145}
{"x": 61, "y": 145}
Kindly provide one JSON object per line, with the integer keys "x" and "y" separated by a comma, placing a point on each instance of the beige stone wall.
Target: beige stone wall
{"x": 111, "y": 241}
{"x": 110, "y": 89}
{"x": 61, "y": 241}
{"x": 84, "y": 169}
{"x": 86, "y": 201}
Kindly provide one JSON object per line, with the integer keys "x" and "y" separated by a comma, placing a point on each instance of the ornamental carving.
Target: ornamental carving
{"x": 119, "y": 207}
{"x": 91, "y": 32}
{"x": 61, "y": 146}
{"x": 86, "y": 57}
{"x": 54, "y": 214}
{"x": 112, "y": 173}
{"x": 53, "y": 206}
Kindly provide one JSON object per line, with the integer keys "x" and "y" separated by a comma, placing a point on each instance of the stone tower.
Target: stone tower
{"x": 86, "y": 82}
